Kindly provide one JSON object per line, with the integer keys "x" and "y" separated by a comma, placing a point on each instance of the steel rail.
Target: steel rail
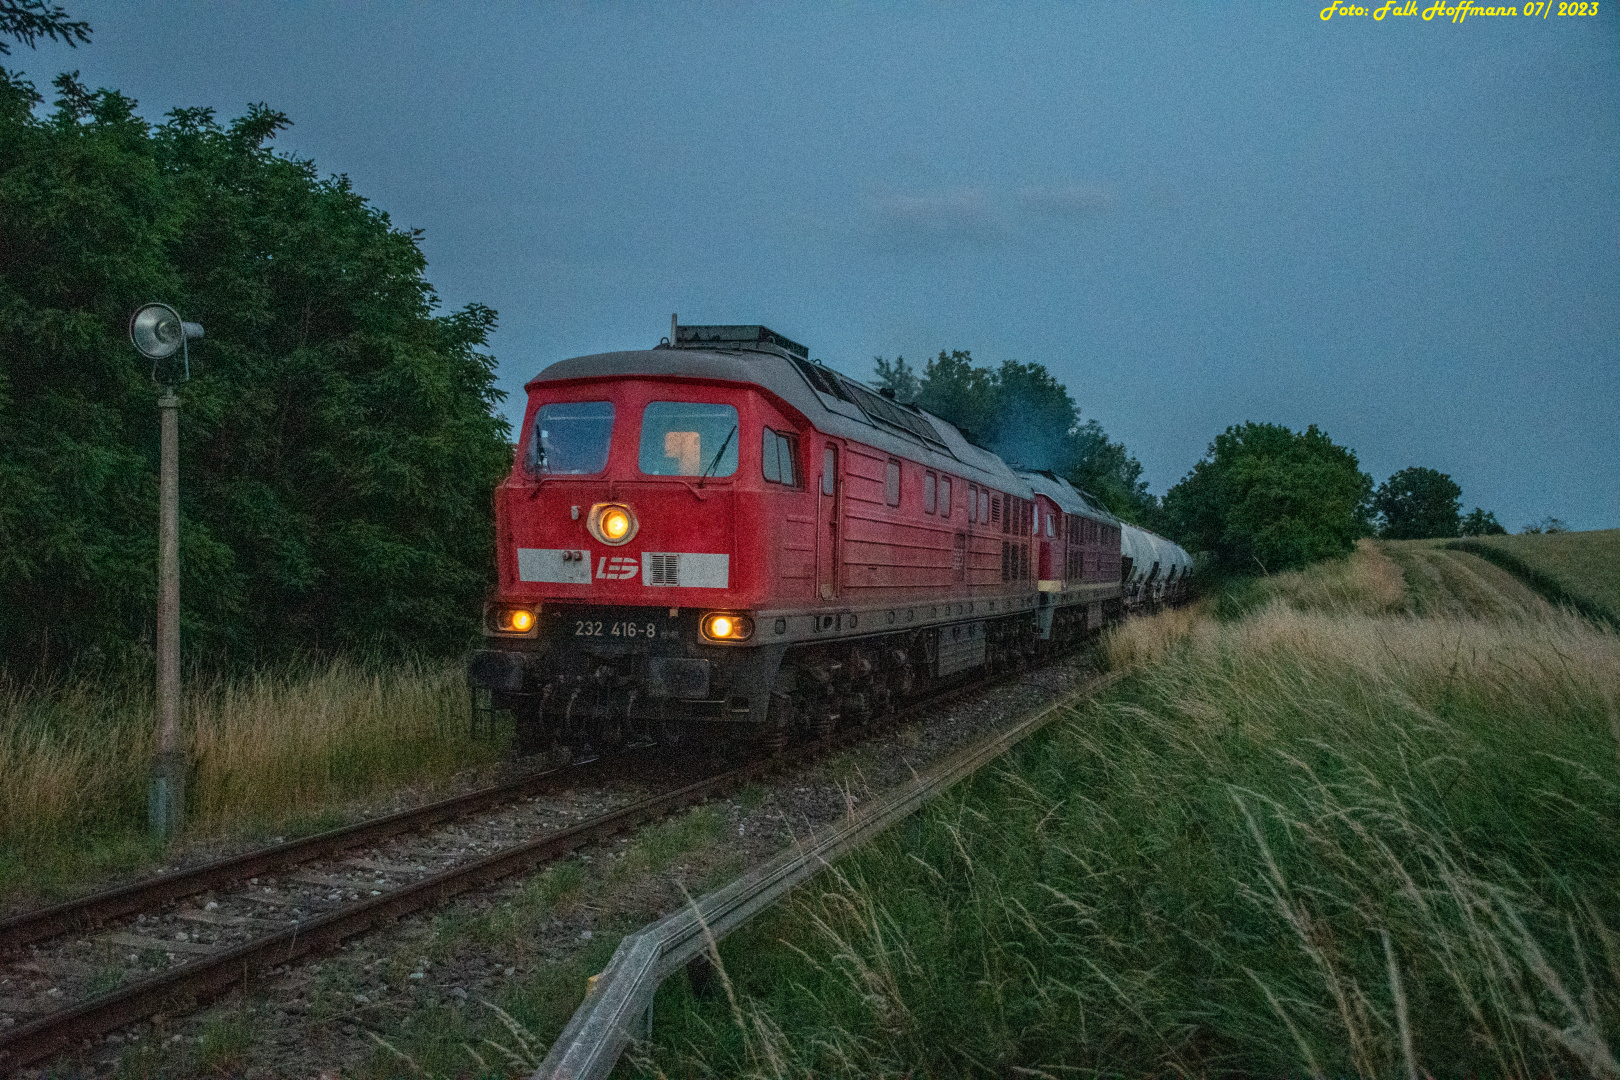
{"x": 210, "y": 976}
{"x": 87, "y": 912}
{"x": 231, "y": 968}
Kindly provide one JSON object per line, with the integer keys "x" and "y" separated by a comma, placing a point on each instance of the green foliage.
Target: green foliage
{"x": 30, "y": 20}
{"x": 337, "y": 441}
{"x": 1268, "y": 497}
{"x": 954, "y": 388}
{"x": 228, "y": 1040}
{"x": 1418, "y": 504}
{"x": 1480, "y": 523}
{"x": 1024, "y": 414}
{"x": 900, "y": 377}
{"x": 1545, "y": 525}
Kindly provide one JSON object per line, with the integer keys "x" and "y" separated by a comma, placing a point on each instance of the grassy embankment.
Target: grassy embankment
{"x": 1577, "y": 568}
{"x": 1319, "y": 835}
{"x": 274, "y": 754}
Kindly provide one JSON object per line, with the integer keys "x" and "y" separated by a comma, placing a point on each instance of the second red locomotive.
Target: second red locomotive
{"x": 718, "y": 534}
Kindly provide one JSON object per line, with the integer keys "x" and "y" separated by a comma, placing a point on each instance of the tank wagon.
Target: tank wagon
{"x": 721, "y": 535}
{"x": 1155, "y": 571}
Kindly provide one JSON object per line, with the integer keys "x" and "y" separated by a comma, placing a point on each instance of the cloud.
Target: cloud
{"x": 1069, "y": 201}
{"x": 932, "y": 221}
{"x": 960, "y": 215}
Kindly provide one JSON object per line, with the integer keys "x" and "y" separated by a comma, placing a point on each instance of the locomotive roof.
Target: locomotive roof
{"x": 902, "y": 430}
{"x": 1070, "y": 499}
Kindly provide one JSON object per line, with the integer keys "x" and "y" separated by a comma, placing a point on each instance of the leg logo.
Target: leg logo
{"x": 618, "y": 568}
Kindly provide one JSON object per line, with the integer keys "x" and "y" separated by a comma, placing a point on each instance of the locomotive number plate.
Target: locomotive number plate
{"x": 624, "y": 630}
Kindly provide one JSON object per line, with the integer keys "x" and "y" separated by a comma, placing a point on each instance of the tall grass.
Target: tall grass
{"x": 1366, "y": 581}
{"x": 1317, "y": 840}
{"x": 268, "y": 751}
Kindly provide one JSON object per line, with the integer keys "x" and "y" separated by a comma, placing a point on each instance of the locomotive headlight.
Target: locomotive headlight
{"x": 612, "y": 523}
{"x": 511, "y": 620}
{"x": 727, "y": 626}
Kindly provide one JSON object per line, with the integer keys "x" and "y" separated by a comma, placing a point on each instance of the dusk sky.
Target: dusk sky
{"x": 1404, "y": 231}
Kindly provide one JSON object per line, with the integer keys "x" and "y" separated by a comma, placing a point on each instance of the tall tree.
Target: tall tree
{"x": 1418, "y": 503}
{"x": 1024, "y": 414}
{"x": 899, "y": 376}
{"x": 1268, "y": 498}
{"x": 29, "y": 20}
{"x": 1481, "y": 523}
{"x": 338, "y": 439}
{"x": 956, "y": 389}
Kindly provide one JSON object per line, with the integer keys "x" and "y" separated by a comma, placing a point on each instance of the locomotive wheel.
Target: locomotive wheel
{"x": 780, "y": 720}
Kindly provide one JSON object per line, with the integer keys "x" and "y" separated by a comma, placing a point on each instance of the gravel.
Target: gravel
{"x": 381, "y": 979}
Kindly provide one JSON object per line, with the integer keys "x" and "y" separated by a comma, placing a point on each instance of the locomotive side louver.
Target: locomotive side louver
{"x": 688, "y": 569}
{"x": 663, "y": 569}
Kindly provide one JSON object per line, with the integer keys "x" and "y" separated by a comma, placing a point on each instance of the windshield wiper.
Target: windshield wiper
{"x": 717, "y": 454}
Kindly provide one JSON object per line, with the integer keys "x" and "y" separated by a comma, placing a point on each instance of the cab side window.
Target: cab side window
{"x": 891, "y": 484}
{"x": 779, "y": 454}
{"x": 768, "y": 460}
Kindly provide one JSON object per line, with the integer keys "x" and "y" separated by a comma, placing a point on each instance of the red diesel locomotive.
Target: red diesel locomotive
{"x": 718, "y": 534}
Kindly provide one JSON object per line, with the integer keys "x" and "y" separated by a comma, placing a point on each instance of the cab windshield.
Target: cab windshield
{"x": 571, "y": 438}
{"x": 682, "y": 438}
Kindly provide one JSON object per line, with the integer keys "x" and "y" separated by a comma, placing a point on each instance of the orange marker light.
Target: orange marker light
{"x": 512, "y": 620}
{"x": 725, "y": 627}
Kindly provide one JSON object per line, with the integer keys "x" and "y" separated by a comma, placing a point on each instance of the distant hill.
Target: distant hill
{"x": 1577, "y": 568}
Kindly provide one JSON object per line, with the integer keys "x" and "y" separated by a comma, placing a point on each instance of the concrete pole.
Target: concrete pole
{"x": 166, "y": 791}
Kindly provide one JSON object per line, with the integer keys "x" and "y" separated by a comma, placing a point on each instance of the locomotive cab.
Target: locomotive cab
{"x": 630, "y": 556}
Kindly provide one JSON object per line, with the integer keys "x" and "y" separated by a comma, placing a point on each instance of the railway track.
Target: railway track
{"x": 271, "y": 921}
{"x": 90, "y": 911}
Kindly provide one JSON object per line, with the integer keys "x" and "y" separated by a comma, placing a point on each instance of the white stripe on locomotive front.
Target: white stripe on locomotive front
{"x": 572, "y": 566}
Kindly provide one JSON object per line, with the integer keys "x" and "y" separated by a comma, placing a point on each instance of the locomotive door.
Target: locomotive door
{"x": 827, "y": 525}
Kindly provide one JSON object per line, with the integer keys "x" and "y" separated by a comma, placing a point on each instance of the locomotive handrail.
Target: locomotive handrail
{"x": 622, "y": 995}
